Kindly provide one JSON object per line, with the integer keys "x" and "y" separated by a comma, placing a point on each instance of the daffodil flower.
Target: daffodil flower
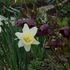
{"x": 26, "y": 38}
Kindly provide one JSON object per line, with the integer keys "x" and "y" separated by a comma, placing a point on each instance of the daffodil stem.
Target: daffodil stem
{"x": 26, "y": 62}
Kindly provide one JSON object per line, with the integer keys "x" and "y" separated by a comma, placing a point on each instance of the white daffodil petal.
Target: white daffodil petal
{"x": 18, "y": 34}
{"x": 25, "y": 28}
{"x": 36, "y": 42}
{"x": 0, "y": 29}
{"x": 34, "y": 30}
{"x": 27, "y": 47}
{"x": 20, "y": 44}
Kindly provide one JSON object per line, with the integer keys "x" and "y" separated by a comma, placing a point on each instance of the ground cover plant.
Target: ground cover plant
{"x": 34, "y": 35}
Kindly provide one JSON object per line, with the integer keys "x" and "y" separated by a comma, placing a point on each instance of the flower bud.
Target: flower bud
{"x": 65, "y": 31}
{"x": 42, "y": 30}
{"x": 55, "y": 43}
{"x": 28, "y": 21}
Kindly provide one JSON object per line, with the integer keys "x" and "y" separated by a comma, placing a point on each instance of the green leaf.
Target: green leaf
{"x": 67, "y": 65}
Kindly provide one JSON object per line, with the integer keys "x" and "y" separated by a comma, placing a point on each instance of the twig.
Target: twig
{"x": 58, "y": 58}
